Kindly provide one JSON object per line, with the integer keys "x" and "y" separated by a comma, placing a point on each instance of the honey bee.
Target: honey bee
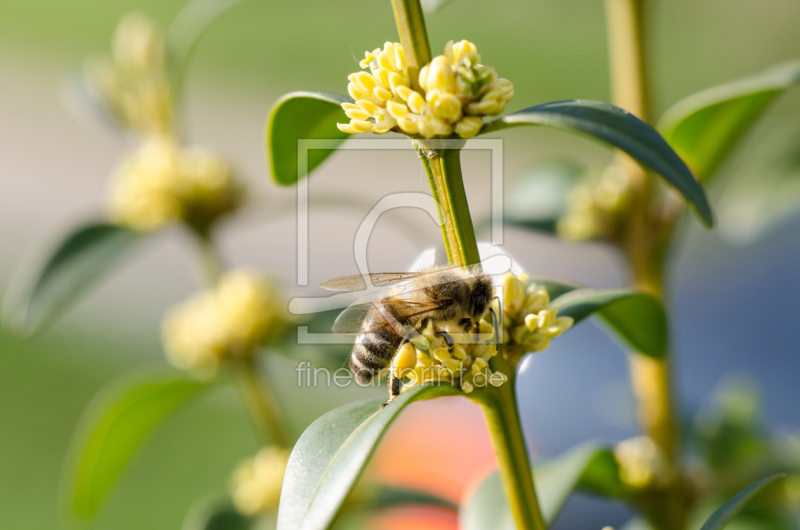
{"x": 450, "y": 299}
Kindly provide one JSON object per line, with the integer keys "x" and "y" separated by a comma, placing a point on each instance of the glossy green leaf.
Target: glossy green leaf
{"x": 637, "y": 317}
{"x": 539, "y": 197}
{"x": 303, "y": 116}
{"x": 618, "y": 128}
{"x": 77, "y": 263}
{"x": 727, "y": 511}
{"x": 113, "y": 427}
{"x": 185, "y": 32}
{"x": 555, "y": 481}
{"x": 332, "y": 453}
{"x": 704, "y": 127}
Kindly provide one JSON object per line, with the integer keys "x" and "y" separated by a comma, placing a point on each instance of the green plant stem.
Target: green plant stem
{"x": 210, "y": 261}
{"x": 643, "y": 243}
{"x": 499, "y": 404}
{"x": 443, "y": 167}
{"x": 502, "y": 419}
{"x": 262, "y": 404}
{"x": 413, "y": 37}
{"x": 447, "y": 184}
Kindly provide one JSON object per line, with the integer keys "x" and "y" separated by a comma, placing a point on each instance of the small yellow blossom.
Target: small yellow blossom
{"x": 163, "y": 183}
{"x": 229, "y": 321}
{"x": 529, "y": 323}
{"x": 641, "y": 463}
{"x": 256, "y": 482}
{"x": 134, "y": 83}
{"x": 464, "y": 364}
{"x": 456, "y": 92}
{"x": 595, "y": 206}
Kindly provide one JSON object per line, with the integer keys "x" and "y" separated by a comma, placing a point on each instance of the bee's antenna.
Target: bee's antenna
{"x": 496, "y": 321}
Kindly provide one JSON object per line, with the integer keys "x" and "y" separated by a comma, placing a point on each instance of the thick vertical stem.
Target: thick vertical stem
{"x": 502, "y": 420}
{"x": 443, "y": 167}
{"x": 642, "y": 243}
{"x": 447, "y": 184}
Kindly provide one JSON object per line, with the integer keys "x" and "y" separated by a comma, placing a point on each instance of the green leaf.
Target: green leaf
{"x": 113, "y": 427}
{"x": 332, "y": 453}
{"x": 555, "y": 480}
{"x": 704, "y": 127}
{"x": 622, "y": 130}
{"x": 727, "y": 511}
{"x": 637, "y": 317}
{"x": 303, "y": 116}
{"x": 488, "y": 507}
{"x": 538, "y": 198}
{"x": 185, "y": 32}
{"x": 77, "y": 263}
{"x": 391, "y": 496}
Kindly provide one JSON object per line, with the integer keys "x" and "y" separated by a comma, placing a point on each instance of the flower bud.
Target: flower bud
{"x": 256, "y": 483}
{"x": 416, "y": 103}
{"x": 513, "y": 293}
{"x": 468, "y": 127}
{"x": 361, "y": 125}
{"x": 406, "y": 359}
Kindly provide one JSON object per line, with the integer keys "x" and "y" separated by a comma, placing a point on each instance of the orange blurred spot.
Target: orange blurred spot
{"x": 439, "y": 446}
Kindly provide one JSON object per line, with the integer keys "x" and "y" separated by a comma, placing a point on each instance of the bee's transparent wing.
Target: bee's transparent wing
{"x": 390, "y": 312}
{"x": 356, "y": 282}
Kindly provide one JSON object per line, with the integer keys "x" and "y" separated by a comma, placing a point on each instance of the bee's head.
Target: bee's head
{"x": 481, "y": 297}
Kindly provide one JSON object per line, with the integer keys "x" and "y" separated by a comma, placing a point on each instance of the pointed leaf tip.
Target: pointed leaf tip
{"x": 622, "y": 130}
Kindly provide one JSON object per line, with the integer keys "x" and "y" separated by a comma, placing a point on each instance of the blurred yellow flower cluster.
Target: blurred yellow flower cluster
{"x": 256, "y": 482}
{"x": 456, "y": 92}
{"x": 464, "y": 364}
{"x": 529, "y": 323}
{"x": 164, "y": 182}
{"x": 227, "y": 322}
{"x": 134, "y": 82}
{"x": 595, "y": 206}
{"x": 641, "y": 463}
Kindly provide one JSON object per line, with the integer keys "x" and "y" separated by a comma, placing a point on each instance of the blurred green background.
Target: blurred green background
{"x": 52, "y": 171}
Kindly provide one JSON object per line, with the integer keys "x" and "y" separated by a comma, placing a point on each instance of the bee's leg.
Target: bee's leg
{"x": 447, "y": 338}
{"x": 394, "y": 388}
{"x": 496, "y": 323}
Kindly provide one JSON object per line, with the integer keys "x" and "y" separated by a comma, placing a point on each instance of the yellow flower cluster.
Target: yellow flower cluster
{"x": 595, "y": 206}
{"x": 164, "y": 182}
{"x": 529, "y": 323}
{"x": 134, "y": 83}
{"x": 641, "y": 463}
{"x": 456, "y": 92}
{"x": 465, "y": 364}
{"x": 256, "y": 482}
{"x": 227, "y": 322}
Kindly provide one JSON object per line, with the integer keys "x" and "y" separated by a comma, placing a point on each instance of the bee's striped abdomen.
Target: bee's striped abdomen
{"x": 373, "y": 352}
